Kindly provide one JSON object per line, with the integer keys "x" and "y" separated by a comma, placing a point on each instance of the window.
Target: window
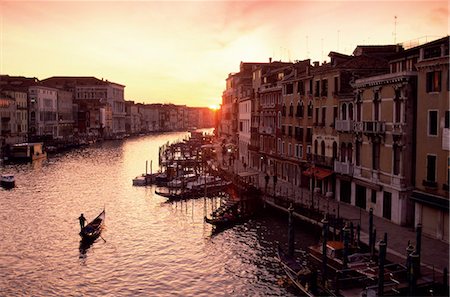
{"x": 279, "y": 119}
{"x": 241, "y": 126}
{"x": 433, "y": 81}
{"x": 317, "y": 89}
{"x": 396, "y": 152}
{"x": 335, "y": 114}
{"x": 397, "y": 107}
{"x": 431, "y": 168}
{"x": 289, "y": 149}
{"x": 299, "y": 113}
{"x": 289, "y": 130}
{"x": 300, "y": 88}
{"x": 308, "y": 134}
{"x": 279, "y": 145}
{"x": 336, "y": 85}
{"x": 308, "y": 149}
{"x": 289, "y": 88}
{"x": 300, "y": 152}
{"x": 310, "y": 109}
{"x": 283, "y": 148}
{"x": 432, "y": 123}
{"x": 322, "y": 148}
{"x": 316, "y": 120}
{"x": 291, "y": 110}
{"x": 373, "y": 197}
{"x": 283, "y": 110}
{"x": 376, "y": 156}
{"x": 324, "y": 115}
{"x": 447, "y": 119}
{"x": 324, "y": 87}
{"x": 296, "y": 151}
{"x": 376, "y": 107}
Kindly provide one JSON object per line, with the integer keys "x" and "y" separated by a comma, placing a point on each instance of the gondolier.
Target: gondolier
{"x": 82, "y": 221}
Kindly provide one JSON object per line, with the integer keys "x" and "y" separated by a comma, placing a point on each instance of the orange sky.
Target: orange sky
{"x": 181, "y": 52}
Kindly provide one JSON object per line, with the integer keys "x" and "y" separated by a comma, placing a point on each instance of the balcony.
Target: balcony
{"x": 358, "y": 126}
{"x": 344, "y": 125}
{"x": 343, "y": 167}
{"x": 265, "y": 130}
{"x": 320, "y": 160}
{"x": 374, "y": 127}
{"x": 397, "y": 129}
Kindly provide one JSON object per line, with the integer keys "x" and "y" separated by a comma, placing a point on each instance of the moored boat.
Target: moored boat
{"x": 92, "y": 231}
{"x": 25, "y": 152}
{"x": 7, "y": 181}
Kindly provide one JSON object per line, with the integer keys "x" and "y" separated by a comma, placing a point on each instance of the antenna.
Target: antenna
{"x": 395, "y": 29}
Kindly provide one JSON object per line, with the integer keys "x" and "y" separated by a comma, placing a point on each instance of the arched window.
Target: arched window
{"x": 300, "y": 109}
{"x": 343, "y": 151}
{"x": 316, "y": 147}
{"x": 344, "y": 111}
{"x": 310, "y": 109}
{"x": 335, "y": 150}
{"x": 350, "y": 111}
{"x": 283, "y": 110}
{"x": 322, "y": 148}
{"x": 349, "y": 152}
{"x": 291, "y": 110}
{"x": 279, "y": 119}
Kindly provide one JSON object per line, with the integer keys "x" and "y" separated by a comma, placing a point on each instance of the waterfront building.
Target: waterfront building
{"x": 432, "y": 160}
{"x": 270, "y": 99}
{"x": 384, "y": 141}
{"x": 8, "y": 126}
{"x": 228, "y": 125}
{"x": 43, "y": 110}
{"x": 104, "y": 91}
{"x": 21, "y": 102}
{"x": 296, "y": 126}
{"x": 150, "y": 117}
{"x": 65, "y": 122}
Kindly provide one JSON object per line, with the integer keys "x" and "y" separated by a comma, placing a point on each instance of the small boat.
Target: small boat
{"x": 8, "y": 181}
{"x": 140, "y": 181}
{"x": 301, "y": 276}
{"x": 25, "y": 152}
{"x": 225, "y": 221}
{"x": 92, "y": 231}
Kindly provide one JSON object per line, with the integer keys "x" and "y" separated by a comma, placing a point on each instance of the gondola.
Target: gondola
{"x": 224, "y": 221}
{"x": 302, "y": 277}
{"x": 92, "y": 231}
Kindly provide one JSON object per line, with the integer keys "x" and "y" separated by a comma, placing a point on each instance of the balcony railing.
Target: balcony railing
{"x": 343, "y": 167}
{"x": 370, "y": 127}
{"x": 397, "y": 129}
{"x": 344, "y": 125}
{"x": 266, "y": 130}
{"x": 320, "y": 160}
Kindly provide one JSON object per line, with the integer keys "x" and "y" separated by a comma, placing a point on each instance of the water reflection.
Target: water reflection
{"x": 152, "y": 247}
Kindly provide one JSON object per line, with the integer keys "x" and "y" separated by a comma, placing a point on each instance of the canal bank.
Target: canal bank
{"x": 434, "y": 252}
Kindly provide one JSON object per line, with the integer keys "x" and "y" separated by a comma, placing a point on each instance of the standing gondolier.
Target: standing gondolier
{"x": 82, "y": 221}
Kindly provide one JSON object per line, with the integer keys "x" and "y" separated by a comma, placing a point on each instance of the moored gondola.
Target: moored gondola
{"x": 92, "y": 231}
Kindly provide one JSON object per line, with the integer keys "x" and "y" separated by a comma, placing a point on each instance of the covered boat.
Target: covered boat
{"x": 7, "y": 181}
{"x": 92, "y": 231}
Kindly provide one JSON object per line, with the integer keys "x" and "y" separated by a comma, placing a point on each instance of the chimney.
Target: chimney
{"x": 270, "y": 60}
{"x": 316, "y": 63}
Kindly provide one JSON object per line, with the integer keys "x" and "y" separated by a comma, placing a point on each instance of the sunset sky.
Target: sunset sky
{"x": 181, "y": 52}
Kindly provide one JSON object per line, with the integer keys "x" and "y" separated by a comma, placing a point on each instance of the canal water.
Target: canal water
{"x": 149, "y": 247}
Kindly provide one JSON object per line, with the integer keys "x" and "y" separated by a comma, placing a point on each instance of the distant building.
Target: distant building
{"x": 21, "y": 102}
{"x": 104, "y": 91}
{"x": 8, "y": 126}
